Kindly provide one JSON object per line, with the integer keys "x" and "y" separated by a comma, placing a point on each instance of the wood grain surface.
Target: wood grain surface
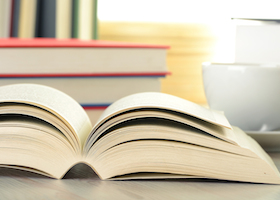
{"x": 82, "y": 183}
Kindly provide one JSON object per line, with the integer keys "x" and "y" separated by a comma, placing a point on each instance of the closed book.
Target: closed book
{"x": 93, "y": 93}
{"x": 76, "y": 57}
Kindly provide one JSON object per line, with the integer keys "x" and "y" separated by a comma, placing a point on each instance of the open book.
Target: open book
{"x": 145, "y": 135}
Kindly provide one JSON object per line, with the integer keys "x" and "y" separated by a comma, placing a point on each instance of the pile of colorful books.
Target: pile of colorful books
{"x": 48, "y": 18}
{"x": 95, "y": 73}
{"x": 52, "y": 42}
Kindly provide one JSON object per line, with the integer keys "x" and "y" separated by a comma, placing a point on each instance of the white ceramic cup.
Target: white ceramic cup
{"x": 248, "y": 94}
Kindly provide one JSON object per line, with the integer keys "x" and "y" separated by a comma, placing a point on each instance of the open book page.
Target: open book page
{"x": 28, "y": 142}
{"x": 165, "y": 101}
{"x": 161, "y": 129}
{"x": 162, "y": 103}
{"x": 53, "y": 101}
{"x": 149, "y": 114}
{"x": 165, "y": 156}
{"x": 246, "y": 141}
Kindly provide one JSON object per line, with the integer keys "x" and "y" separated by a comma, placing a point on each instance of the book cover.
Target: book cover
{"x": 51, "y": 42}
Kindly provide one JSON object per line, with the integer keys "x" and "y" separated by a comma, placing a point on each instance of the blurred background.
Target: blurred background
{"x": 197, "y": 31}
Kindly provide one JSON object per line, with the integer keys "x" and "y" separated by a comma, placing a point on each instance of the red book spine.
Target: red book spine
{"x": 148, "y": 74}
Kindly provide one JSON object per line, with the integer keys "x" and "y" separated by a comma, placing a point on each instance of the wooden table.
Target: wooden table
{"x": 82, "y": 183}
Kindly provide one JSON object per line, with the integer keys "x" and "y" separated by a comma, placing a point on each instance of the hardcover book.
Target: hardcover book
{"x": 93, "y": 91}
{"x": 73, "y": 57}
{"x": 141, "y": 136}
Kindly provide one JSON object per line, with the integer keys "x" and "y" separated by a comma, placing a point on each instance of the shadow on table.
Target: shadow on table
{"x": 80, "y": 171}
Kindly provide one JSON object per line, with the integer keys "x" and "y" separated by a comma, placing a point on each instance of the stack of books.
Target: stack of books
{"x": 53, "y": 43}
{"x": 48, "y": 18}
{"x": 95, "y": 73}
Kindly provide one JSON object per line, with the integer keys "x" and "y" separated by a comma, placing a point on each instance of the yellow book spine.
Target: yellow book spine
{"x": 27, "y": 18}
{"x": 63, "y": 19}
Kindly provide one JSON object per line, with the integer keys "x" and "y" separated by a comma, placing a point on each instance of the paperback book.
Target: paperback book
{"x": 141, "y": 136}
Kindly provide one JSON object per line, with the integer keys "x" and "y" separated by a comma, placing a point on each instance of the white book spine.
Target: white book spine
{"x": 5, "y": 18}
{"x": 85, "y": 24}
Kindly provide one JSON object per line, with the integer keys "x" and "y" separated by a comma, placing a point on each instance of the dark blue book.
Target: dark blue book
{"x": 15, "y": 18}
{"x": 46, "y": 18}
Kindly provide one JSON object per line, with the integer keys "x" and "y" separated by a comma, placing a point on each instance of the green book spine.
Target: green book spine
{"x": 95, "y": 21}
{"x": 75, "y": 18}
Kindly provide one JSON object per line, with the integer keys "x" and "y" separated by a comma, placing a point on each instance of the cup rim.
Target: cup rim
{"x": 233, "y": 64}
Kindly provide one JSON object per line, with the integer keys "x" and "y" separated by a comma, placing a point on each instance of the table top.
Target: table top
{"x": 82, "y": 183}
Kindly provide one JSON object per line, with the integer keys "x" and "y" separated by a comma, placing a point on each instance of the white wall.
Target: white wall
{"x": 186, "y": 10}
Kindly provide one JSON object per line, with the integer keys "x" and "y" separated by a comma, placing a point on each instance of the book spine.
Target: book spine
{"x": 11, "y": 18}
{"x": 85, "y": 24}
{"x": 63, "y": 19}
{"x": 5, "y": 18}
{"x": 27, "y": 18}
{"x": 87, "y": 75}
{"x": 37, "y": 20}
{"x": 47, "y": 17}
{"x": 15, "y": 18}
{"x": 95, "y": 21}
{"x": 75, "y": 18}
